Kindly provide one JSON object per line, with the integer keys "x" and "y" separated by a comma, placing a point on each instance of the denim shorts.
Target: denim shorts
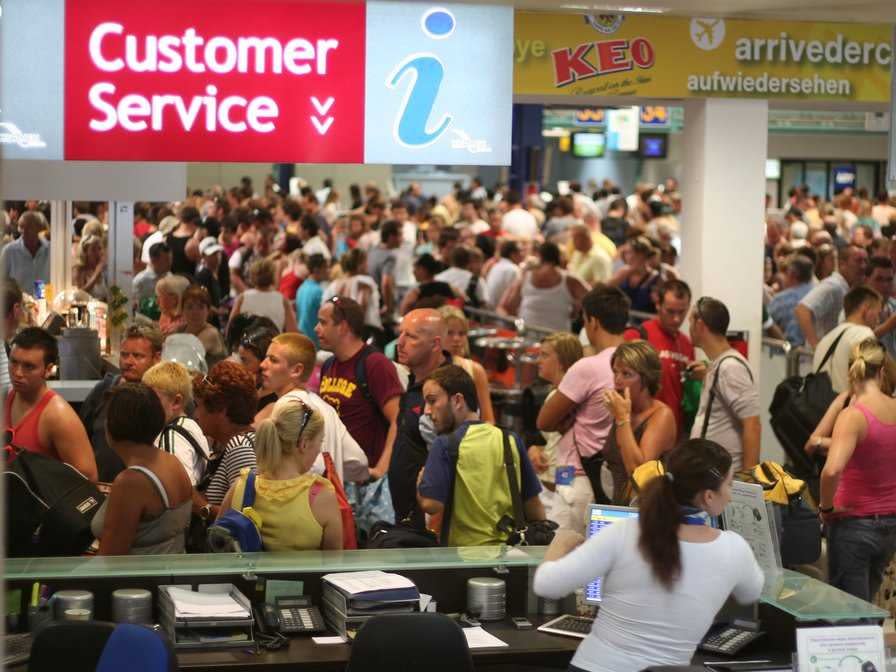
{"x": 859, "y": 550}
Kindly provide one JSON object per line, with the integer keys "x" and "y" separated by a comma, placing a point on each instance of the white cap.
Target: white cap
{"x": 210, "y": 245}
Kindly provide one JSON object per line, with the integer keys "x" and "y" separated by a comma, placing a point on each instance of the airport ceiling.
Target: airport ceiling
{"x": 861, "y": 11}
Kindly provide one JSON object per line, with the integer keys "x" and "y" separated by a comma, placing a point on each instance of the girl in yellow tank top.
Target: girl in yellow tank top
{"x": 294, "y": 509}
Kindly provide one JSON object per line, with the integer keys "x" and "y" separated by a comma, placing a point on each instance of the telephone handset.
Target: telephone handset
{"x": 292, "y": 614}
{"x": 730, "y": 639}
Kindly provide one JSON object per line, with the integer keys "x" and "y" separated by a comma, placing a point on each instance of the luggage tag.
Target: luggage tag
{"x": 565, "y": 475}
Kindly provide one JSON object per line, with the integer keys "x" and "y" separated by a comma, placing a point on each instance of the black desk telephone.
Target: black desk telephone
{"x": 730, "y": 639}
{"x": 292, "y": 614}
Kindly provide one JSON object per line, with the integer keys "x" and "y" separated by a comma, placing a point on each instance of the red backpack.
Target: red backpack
{"x": 349, "y": 540}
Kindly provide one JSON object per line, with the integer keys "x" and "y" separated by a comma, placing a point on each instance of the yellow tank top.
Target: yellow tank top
{"x": 287, "y": 522}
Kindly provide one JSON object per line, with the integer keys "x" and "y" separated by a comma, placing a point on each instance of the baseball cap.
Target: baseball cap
{"x": 210, "y": 245}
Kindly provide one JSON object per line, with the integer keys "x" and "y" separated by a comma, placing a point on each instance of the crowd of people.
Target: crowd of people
{"x": 333, "y": 332}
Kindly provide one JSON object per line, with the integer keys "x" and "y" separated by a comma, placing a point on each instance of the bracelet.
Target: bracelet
{"x": 825, "y": 509}
{"x": 624, "y": 421}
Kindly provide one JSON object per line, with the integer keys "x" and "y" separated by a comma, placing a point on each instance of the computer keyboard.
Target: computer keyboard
{"x": 16, "y": 649}
{"x": 569, "y": 626}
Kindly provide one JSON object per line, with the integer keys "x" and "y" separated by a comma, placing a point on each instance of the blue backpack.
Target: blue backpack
{"x": 235, "y": 532}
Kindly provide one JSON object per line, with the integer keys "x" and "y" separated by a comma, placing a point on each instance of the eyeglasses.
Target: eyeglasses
{"x": 699, "y": 308}
{"x": 338, "y": 311}
{"x": 256, "y": 343}
{"x": 306, "y": 416}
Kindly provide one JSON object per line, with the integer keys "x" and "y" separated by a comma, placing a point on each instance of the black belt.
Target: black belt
{"x": 872, "y": 516}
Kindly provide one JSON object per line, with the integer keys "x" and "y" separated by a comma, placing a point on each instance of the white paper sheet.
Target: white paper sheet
{"x": 477, "y": 638}
{"x": 328, "y": 640}
{"x": 189, "y": 603}
{"x": 355, "y": 583}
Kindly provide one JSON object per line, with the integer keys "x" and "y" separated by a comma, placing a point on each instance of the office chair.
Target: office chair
{"x": 136, "y": 648}
{"x": 431, "y": 642}
{"x": 78, "y": 643}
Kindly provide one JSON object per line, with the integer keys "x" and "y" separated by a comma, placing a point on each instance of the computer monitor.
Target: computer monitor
{"x": 588, "y": 145}
{"x": 599, "y": 516}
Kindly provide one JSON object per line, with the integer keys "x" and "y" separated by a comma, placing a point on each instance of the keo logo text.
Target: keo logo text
{"x": 594, "y": 59}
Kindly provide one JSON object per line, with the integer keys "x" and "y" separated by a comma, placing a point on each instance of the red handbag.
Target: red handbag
{"x": 349, "y": 540}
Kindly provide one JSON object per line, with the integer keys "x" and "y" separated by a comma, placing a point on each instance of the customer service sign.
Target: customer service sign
{"x": 653, "y": 56}
{"x": 260, "y": 80}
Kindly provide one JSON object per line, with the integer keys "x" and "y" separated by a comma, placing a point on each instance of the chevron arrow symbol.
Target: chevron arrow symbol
{"x": 322, "y": 108}
{"x": 322, "y": 128}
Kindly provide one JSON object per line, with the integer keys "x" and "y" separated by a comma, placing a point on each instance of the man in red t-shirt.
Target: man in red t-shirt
{"x": 368, "y": 408}
{"x": 674, "y": 348}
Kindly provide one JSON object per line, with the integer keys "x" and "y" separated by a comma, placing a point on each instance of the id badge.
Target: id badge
{"x": 565, "y": 475}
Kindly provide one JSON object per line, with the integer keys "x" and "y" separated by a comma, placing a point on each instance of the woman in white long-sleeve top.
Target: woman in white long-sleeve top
{"x": 665, "y": 574}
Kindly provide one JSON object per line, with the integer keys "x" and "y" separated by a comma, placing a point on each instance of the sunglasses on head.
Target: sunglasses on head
{"x": 306, "y": 416}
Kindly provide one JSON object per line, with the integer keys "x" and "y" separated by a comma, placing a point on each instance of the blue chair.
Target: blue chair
{"x": 136, "y": 648}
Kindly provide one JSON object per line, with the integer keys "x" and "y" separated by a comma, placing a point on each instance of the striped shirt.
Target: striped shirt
{"x": 239, "y": 453}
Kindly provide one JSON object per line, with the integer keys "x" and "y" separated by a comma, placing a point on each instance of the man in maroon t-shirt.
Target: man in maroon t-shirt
{"x": 674, "y": 348}
{"x": 368, "y": 414}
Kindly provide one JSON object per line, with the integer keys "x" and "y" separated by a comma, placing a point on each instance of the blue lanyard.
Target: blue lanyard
{"x": 691, "y": 515}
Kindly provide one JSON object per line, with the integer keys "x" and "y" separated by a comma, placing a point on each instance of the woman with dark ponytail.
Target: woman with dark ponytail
{"x": 665, "y": 574}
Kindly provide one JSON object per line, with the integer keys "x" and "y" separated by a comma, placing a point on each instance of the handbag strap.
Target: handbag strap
{"x": 518, "y": 519}
{"x": 831, "y": 350}
{"x": 249, "y": 490}
{"x": 712, "y": 390}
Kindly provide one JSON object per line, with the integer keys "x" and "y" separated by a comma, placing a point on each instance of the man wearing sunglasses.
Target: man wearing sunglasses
{"x": 359, "y": 382}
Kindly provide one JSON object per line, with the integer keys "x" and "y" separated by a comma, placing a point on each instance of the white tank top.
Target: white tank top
{"x": 268, "y": 304}
{"x": 550, "y": 307}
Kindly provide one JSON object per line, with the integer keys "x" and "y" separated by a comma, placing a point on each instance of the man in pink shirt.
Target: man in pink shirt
{"x": 577, "y": 408}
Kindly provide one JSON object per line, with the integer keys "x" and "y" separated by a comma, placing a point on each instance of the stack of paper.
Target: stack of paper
{"x": 356, "y": 583}
{"x": 190, "y": 604}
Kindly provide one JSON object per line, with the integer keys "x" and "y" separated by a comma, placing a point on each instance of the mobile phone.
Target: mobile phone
{"x": 521, "y": 623}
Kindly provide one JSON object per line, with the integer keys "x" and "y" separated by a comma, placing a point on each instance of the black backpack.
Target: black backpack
{"x": 173, "y": 427}
{"x": 49, "y": 507}
{"x": 797, "y": 407}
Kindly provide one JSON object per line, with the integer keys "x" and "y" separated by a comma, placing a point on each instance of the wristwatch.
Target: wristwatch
{"x": 205, "y": 512}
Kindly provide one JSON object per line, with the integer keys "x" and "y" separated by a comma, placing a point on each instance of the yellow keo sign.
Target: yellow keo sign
{"x": 673, "y": 57}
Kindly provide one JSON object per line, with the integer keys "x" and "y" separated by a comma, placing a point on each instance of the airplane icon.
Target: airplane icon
{"x": 707, "y": 30}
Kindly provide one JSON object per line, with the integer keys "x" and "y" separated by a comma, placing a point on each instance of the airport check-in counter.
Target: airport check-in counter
{"x": 789, "y": 601}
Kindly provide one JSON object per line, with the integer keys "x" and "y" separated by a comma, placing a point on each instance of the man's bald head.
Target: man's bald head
{"x": 427, "y": 319}
{"x": 420, "y": 339}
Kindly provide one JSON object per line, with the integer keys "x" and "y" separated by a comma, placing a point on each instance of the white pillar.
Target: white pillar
{"x": 120, "y": 253}
{"x": 723, "y": 190}
{"x": 61, "y": 231}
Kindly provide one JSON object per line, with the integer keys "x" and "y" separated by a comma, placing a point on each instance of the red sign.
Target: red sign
{"x": 212, "y": 80}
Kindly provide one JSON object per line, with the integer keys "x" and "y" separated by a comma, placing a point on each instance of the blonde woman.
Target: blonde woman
{"x": 644, "y": 427}
{"x": 298, "y": 509}
{"x": 456, "y": 328}
{"x": 89, "y": 273}
{"x": 557, "y": 353}
{"x": 169, "y": 294}
{"x": 858, "y": 482}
